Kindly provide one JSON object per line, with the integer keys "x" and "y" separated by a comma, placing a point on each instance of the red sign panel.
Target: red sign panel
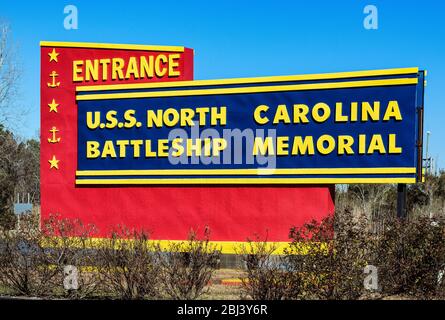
{"x": 232, "y": 213}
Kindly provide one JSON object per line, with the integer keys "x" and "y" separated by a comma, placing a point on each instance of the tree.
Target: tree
{"x": 19, "y": 159}
{"x": 19, "y": 172}
{"x": 29, "y": 174}
{"x": 9, "y": 75}
{"x": 8, "y": 149}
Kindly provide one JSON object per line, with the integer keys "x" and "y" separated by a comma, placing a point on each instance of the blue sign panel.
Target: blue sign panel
{"x": 355, "y": 127}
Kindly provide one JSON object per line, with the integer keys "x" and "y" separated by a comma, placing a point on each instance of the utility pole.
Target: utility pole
{"x": 432, "y": 166}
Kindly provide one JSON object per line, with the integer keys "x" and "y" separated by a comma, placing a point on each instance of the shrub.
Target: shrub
{"x": 187, "y": 267}
{"x": 33, "y": 260}
{"x": 127, "y": 265}
{"x": 24, "y": 263}
{"x": 410, "y": 256}
{"x": 416, "y": 197}
{"x": 68, "y": 244}
{"x": 331, "y": 256}
{"x": 267, "y": 276}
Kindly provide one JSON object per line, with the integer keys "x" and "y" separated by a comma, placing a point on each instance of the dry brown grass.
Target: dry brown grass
{"x": 222, "y": 292}
{"x": 218, "y": 291}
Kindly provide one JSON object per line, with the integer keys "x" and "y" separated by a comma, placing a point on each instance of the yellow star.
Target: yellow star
{"x": 54, "y": 163}
{"x": 53, "y": 56}
{"x": 53, "y": 106}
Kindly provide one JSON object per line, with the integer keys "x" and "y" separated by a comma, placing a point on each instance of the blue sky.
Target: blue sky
{"x": 249, "y": 38}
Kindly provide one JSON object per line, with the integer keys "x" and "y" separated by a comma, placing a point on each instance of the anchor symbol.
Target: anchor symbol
{"x": 54, "y": 84}
{"x": 53, "y": 139}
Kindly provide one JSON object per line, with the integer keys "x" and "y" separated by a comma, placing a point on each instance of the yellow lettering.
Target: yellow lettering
{"x": 354, "y": 108}
{"x": 160, "y": 69}
{"x": 191, "y": 147}
{"x": 321, "y": 144}
{"x": 136, "y": 147}
{"x": 108, "y": 150}
{"x": 300, "y": 113}
{"x": 132, "y": 69}
{"x": 207, "y": 147}
{"x": 219, "y": 144}
{"x": 148, "y": 152}
{"x": 202, "y": 115}
{"x": 392, "y": 145}
{"x": 376, "y": 144}
{"x": 393, "y": 111}
{"x": 263, "y": 147}
{"x": 122, "y": 147}
{"x": 221, "y": 116}
{"x": 93, "y": 124}
{"x": 301, "y": 146}
{"x": 93, "y": 149}
{"x": 362, "y": 143}
{"x": 105, "y": 63}
{"x": 257, "y": 114}
{"x": 345, "y": 144}
{"x": 130, "y": 119}
{"x": 147, "y": 67}
{"x": 172, "y": 64}
{"x": 326, "y": 112}
{"x": 187, "y": 117}
{"x": 281, "y": 115}
{"x": 116, "y": 68}
{"x": 154, "y": 118}
{"x": 171, "y": 117}
{"x": 282, "y": 146}
{"x": 371, "y": 112}
{"x": 77, "y": 69}
{"x": 111, "y": 119}
{"x": 163, "y": 148}
{"x": 339, "y": 117}
{"x": 177, "y": 147}
{"x": 92, "y": 71}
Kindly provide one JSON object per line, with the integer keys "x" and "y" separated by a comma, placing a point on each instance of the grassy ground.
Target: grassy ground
{"x": 222, "y": 292}
{"x": 224, "y": 286}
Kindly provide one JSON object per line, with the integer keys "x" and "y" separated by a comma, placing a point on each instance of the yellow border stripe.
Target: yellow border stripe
{"x": 297, "y": 87}
{"x": 243, "y": 181}
{"x": 227, "y": 247}
{"x": 323, "y": 76}
{"x": 168, "y": 172}
{"x": 94, "y": 45}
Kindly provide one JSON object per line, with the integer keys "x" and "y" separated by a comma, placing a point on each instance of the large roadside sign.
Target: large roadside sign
{"x": 102, "y": 163}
